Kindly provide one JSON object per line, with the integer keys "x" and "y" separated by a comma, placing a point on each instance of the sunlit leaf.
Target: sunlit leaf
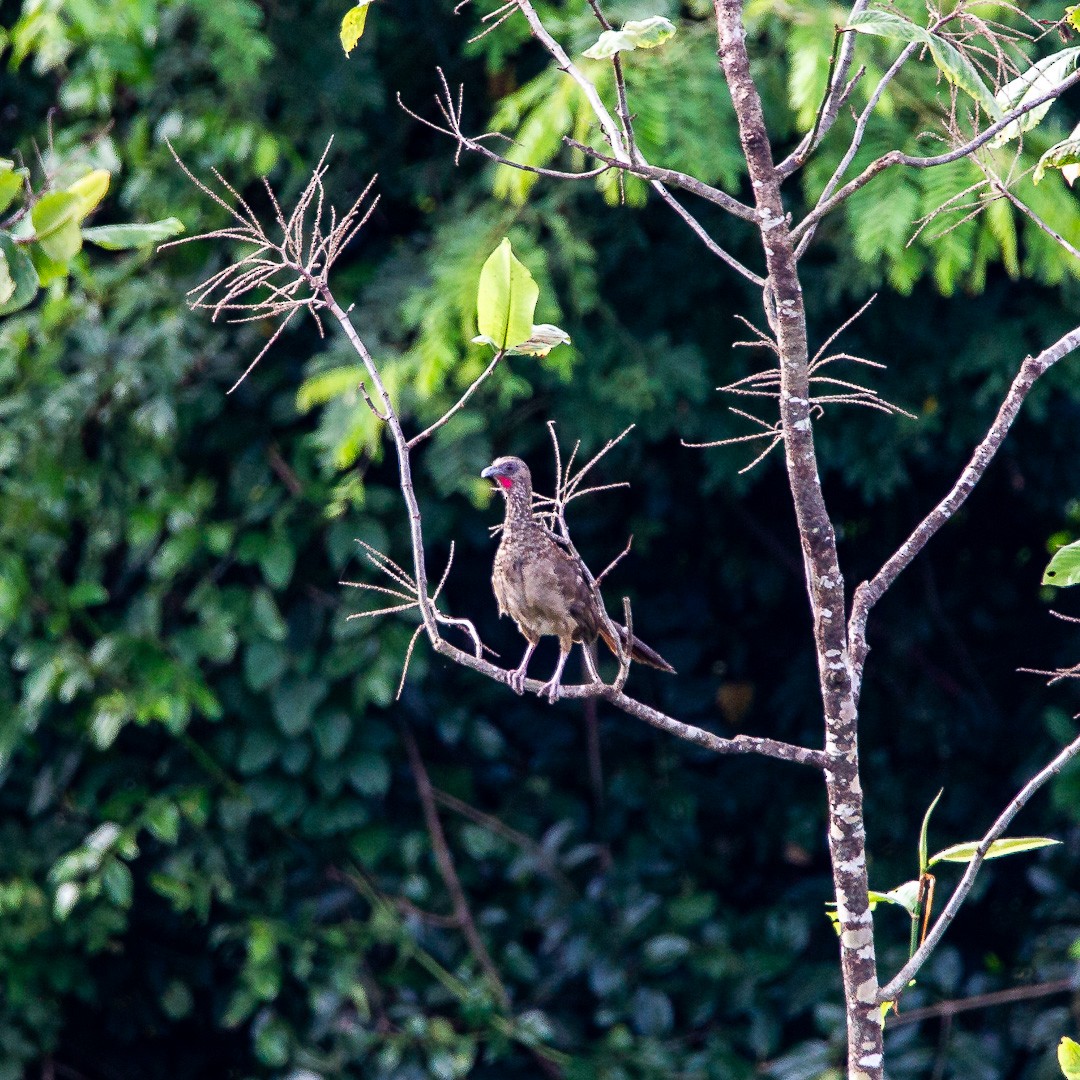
{"x": 506, "y": 299}
{"x": 1064, "y": 567}
{"x": 352, "y": 26}
{"x": 962, "y": 853}
{"x": 123, "y": 237}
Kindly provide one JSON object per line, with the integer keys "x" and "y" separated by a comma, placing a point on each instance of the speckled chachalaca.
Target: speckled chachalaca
{"x": 541, "y": 586}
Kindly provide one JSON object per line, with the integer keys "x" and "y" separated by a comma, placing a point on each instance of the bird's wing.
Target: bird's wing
{"x": 554, "y": 583}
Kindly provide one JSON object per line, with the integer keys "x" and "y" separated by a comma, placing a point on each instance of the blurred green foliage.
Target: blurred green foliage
{"x": 212, "y": 857}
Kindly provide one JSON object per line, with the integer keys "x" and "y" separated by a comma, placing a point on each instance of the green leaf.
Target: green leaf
{"x": 506, "y": 299}
{"x": 1064, "y": 155}
{"x": 90, "y": 190}
{"x": 1039, "y": 79}
{"x": 1064, "y": 568}
{"x": 961, "y": 72}
{"x": 636, "y": 34}
{"x": 923, "y": 864}
{"x": 352, "y": 26}
{"x": 543, "y": 339}
{"x": 56, "y": 225}
{"x": 888, "y": 24}
{"x": 1072, "y": 17}
{"x": 11, "y": 182}
{"x": 116, "y": 878}
{"x": 16, "y": 266}
{"x": 1069, "y": 1058}
{"x": 124, "y": 237}
{"x": 963, "y": 853}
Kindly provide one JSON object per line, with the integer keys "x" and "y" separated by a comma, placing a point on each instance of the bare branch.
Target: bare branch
{"x": 869, "y": 592}
{"x": 446, "y": 416}
{"x": 448, "y": 872}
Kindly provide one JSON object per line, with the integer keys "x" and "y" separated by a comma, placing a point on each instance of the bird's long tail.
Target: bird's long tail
{"x": 639, "y": 651}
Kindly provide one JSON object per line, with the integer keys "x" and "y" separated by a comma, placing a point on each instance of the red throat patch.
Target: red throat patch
{"x": 505, "y": 481}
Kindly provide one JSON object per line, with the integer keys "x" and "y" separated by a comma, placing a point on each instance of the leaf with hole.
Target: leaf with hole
{"x": 352, "y": 26}
{"x": 506, "y": 299}
{"x": 1064, "y": 567}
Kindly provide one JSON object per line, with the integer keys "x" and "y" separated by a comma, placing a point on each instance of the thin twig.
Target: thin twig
{"x": 447, "y": 870}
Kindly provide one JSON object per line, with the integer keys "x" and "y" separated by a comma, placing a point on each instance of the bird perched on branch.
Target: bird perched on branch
{"x": 544, "y": 589}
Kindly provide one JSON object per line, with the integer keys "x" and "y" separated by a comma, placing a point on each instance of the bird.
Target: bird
{"x": 543, "y": 588}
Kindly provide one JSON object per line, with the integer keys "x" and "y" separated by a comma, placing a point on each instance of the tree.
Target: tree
{"x": 294, "y": 268}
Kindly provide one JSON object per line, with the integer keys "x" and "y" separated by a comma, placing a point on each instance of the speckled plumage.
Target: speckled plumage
{"x": 542, "y": 588}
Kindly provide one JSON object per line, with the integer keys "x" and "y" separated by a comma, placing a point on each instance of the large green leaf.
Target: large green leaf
{"x": 123, "y": 237}
{"x": 56, "y": 219}
{"x": 888, "y": 24}
{"x": 961, "y": 72}
{"x": 964, "y": 853}
{"x": 1064, "y": 567}
{"x": 18, "y": 278}
{"x": 506, "y": 299}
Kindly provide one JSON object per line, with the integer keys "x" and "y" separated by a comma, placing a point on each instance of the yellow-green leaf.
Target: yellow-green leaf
{"x": 56, "y": 225}
{"x": 11, "y": 182}
{"x": 90, "y": 190}
{"x": 963, "y": 853}
{"x": 1069, "y": 1057}
{"x": 352, "y": 26}
{"x": 636, "y": 34}
{"x": 506, "y": 299}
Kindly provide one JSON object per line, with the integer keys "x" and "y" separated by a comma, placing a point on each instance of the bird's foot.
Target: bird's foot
{"x": 550, "y": 689}
{"x": 516, "y": 681}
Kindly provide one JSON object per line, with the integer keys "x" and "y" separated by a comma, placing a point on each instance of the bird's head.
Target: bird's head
{"x": 510, "y": 473}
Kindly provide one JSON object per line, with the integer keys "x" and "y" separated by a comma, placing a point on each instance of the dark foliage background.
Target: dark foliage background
{"x": 194, "y": 736}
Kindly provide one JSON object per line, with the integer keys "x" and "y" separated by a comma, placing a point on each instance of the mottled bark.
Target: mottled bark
{"x": 847, "y": 837}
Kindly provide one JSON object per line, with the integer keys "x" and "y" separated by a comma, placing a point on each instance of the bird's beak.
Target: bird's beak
{"x": 490, "y": 472}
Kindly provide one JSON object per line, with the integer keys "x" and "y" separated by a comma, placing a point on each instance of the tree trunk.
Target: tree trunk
{"x": 784, "y": 303}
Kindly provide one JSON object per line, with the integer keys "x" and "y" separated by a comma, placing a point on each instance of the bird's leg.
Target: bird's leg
{"x": 590, "y": 663}
{"x": 551, "y": 687}
{"x": 516, "y": 679}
